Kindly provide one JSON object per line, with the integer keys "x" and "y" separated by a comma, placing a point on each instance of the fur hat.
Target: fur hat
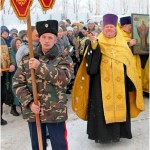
{"x": 125, "y": 20}
{"x": 4, "y": 29}
{"x": 49, "y": 26}
{"x": 22, "y": 33}
{"x": 110, "y": 19}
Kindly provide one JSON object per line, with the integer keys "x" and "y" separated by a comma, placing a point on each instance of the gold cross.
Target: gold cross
{"x": 112, "y": 52}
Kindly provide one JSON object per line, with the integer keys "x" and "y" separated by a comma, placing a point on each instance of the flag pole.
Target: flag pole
{"x": 34, "y": 89}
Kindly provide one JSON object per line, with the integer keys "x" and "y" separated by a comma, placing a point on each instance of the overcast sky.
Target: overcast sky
{"x": 85, "y": 10}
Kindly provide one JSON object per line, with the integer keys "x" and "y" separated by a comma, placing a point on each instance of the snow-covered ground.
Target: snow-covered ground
{"x": 15, "y": 135}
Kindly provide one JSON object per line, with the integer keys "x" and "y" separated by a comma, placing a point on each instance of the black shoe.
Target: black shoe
{"x": 146, "y": 94}
{"x": 47, "y": 136}
{"x": 14, "y": 111}
{"x": 103, "y": 142}
{"x": 68, "y": 92}
{"x": 3, "y": 122}
{"x": 70, "y": 86}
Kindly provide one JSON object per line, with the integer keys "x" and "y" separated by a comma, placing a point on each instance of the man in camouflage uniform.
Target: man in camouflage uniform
{"x": 53, "y": 73}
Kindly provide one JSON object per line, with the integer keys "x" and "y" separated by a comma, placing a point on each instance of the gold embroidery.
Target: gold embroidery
{"x": 21, "y": 2}
{"x": 108, "y": 97}
{"x": 122, "y": 54}
{"x": 117, "y": 62}
{"x": 112, "y": 52}
{"x": 119, "y": 96}
{"x": 105, "y": 61}
{"x": 106, "y": 79}
{"x": 118, "y": 79}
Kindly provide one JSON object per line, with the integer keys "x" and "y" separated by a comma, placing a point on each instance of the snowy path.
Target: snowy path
{"x": 15, "y": 135}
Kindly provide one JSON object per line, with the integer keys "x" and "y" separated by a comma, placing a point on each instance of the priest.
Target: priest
{"x": 101, "y": 89}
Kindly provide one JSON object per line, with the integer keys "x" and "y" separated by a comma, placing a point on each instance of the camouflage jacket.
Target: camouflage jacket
{"x": 52, "y": 76}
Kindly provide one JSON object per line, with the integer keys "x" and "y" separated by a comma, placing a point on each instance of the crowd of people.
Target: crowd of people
{"x": 69, "y": 57}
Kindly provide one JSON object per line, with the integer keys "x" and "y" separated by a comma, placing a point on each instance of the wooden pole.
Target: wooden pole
{"x": 34, "y": 89}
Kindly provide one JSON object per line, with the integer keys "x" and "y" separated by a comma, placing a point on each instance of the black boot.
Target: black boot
{"x": 68, "y": 92}
{"x": 3, "y": 122}
{"x": 14, "y": 111}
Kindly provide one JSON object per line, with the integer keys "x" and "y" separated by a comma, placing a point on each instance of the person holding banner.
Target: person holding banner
{"x": 125, "y": 29}
{"x": 53, "y": 72}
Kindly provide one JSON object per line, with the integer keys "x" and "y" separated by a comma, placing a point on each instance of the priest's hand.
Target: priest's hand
{"x": 132, "y": 42}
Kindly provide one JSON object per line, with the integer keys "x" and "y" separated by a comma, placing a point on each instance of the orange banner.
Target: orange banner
{"x": 21, "y": 8}
{"x": 1, "y": 4}
{"x": 47, "y": 4}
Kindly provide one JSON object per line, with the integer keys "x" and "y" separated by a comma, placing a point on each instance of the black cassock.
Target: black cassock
{"x": 97, "y": 129}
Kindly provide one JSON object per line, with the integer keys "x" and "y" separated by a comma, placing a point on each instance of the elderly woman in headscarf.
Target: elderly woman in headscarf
{"x": 62, "y": 40}
{"x": 15, "y": 44}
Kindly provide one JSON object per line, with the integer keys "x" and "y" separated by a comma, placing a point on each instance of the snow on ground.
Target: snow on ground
{"x": 15, "y": 135}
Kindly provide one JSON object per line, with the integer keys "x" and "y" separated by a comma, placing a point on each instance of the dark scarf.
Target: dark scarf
{"x": 51, "y": 54}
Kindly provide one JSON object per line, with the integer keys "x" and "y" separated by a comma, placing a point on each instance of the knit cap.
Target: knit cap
{"x": 22, "y": 33}
{"x": 13, "y": 31}
{"x": 68, "y": 20}
{"x": 4, "y": 29}
{"x": 69, "y": 29}
{"x": 91, "y": 21}
{"x": 60, "y": 28}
